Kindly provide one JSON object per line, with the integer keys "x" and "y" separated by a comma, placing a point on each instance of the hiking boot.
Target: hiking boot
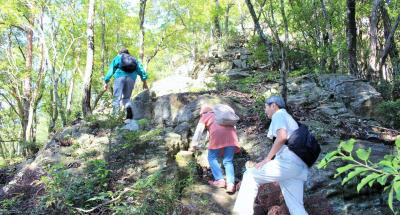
{"x": 129, "y": 113}
{"x": 219, "y": 183}
{"x": 230, "y": 188}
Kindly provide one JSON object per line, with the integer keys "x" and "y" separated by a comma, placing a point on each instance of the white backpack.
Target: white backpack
{"x": 225, "y": 115}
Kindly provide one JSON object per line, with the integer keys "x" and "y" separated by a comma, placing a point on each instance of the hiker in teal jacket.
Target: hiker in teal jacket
{"x": 124, "y": 82}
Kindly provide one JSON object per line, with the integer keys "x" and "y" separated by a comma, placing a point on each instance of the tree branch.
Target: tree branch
{"x": 388, "y": 43}
{"x": 9, "y": 103}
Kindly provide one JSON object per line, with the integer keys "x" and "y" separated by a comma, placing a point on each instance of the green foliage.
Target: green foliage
{"x": 258, "y": 49}
{"x": 386, "y": 89}
{"x": 389, "y": 112}
{"x": 109, "y": 122}
{"x": 156, "y": 194}
{"x": 10, "y": 206}
{"x": 386, "y": 172}
{"x": 64, "y": 191}
{"x": 245, "y": 85}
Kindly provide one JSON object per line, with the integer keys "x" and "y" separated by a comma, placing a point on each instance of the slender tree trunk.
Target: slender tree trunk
{"x": 242, "y": 17}
{"x": 285, "y": 22}
{"x": 228, "y": 7}
{"x": 284, "y": 67}
{"x": 103, "y": 32}
{"x": 87, "y": 80}
{"x": 351, "y": 35}
{"x": 72, "y": 83}
{"x": 329, "y": 36}
{"x": 393, "y": 52}
{"x": 70, "y": 94}
{"x": 390, "y": 46}
{"x": 373, "y": 34}
{"x": 217, "y": 25}
{"x": 141, "y": 24}
{"x": 259, "y": 30}
{"x": 27, "y": 87}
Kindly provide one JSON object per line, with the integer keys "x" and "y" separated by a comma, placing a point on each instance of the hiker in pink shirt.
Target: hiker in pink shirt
{"x": 223, "y": 142}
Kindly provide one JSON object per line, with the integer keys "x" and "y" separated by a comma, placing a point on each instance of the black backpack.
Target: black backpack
{"x": 304, "y": 145}
{"x": 128, "y": 63}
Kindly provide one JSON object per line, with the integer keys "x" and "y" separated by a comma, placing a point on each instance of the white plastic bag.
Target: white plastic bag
{"x": 225, "y": 115}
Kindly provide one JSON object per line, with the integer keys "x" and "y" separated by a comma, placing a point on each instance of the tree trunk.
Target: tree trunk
{"x": 284, "y": 67}
{"x": 285, "y": 22}
{"x": 393, "y": 52}
{"x": 373, "y": 34}
{"x": 70, "y": 94}
{"x": 27, "y": 87}
{"x": 329, "y": 37}
{"x": 228, "y": 7}
{"x": 390, "y": 47}
{"x": 87, "y": 80}
{"x": 242, "y": 17}
{"x": 260, "y": 32}
{"x": 351, "y": 36}
{"x": 141, "y": 22}
{"x": 103, "y": 31}
{"x": 217, "y": 25}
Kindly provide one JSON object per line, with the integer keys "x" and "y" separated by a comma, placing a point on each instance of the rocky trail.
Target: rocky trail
{"x": 152, "y": 166}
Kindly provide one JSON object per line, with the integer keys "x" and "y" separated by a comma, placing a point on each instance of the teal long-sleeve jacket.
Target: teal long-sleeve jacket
{"x": 115, "y": 71}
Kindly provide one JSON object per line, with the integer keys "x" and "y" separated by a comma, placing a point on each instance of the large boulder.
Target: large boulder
{"x": 174, "y": 109}
{"x": 237, "y": 74}
{"x": 357, "y": 95}
{"x": 141, "y": 105}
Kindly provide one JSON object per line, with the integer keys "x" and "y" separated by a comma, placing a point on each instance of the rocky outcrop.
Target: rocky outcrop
{"x": 357, "y": 95}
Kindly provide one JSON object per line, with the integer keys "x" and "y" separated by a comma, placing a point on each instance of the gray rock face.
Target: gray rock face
{"x": 223, "y": 66}
{"x": 357, "y": 95}
{"x": 141, "y": 105}
{"x": 174, "y": 109}
{"x": 237, "y": 74}
{"x": 173, "y": 142}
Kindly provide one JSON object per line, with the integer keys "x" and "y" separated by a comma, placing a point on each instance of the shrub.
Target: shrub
{"x": 64, "y": 191}
{"x": 389, "y": 112}
{"x": 385, "y": 172}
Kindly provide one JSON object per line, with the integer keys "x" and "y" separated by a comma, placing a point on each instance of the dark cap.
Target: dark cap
{"x": 278, "y": 100}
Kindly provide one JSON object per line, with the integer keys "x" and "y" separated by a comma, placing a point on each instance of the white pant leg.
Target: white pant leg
{"x": 292, "y": 190}
{"x": 285, "y": 167}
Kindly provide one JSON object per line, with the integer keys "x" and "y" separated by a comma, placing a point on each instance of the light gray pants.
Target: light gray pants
{"x": 123, "y": 87}
{"x": 287, "y": 169}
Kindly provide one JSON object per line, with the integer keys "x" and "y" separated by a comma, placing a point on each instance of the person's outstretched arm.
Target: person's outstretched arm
{"x": 281, "y": 138}
{"x": 143, "y": 74}
{"x": 111, "y": 70}
{"x": 197, "y": 136}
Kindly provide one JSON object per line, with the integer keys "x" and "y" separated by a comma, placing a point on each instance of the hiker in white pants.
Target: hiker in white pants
{"x": 286, "y": 168}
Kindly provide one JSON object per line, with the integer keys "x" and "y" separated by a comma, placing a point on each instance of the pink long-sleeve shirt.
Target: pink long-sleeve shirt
{"x": 220, "y": 136}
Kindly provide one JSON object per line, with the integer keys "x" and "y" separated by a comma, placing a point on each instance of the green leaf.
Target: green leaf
{"x": 385, "y": 162}
{"x": 370, "y": 183}
{"x": 328, "y": 158}
{"x": 397, "y": 142}
{"x": 343, "y": 169}
{"x": 347, "y": 145}
{"x": 390, "y": 199}
{"x": 367, "y": 179}
{"x": 352, "y": 174}
{"x": 396, "y": 187}
{"x": 382, "y": 180}
{"x": 330, "y": 155}
{"x": 363, "y": 154}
